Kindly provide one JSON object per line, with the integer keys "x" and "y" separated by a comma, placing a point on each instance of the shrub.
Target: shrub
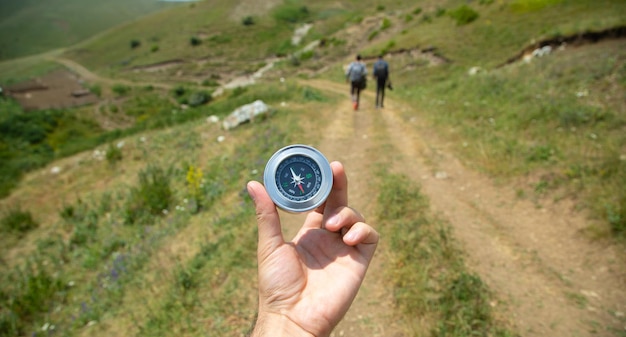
{"x": 307, "y": 55}
{"x": 198, "y": 98}
{"x": 385, "y": 24}
{"x": 247, "y": 21}
{"x": 154, "y": 48}
{"x": 194, "y": 180}
{"x": 18, "y": 221}
{"x": 417, "y": 10}
{"x": 373, "y": 35}
{"x": 113, "y": 154}
{"x": 179, "y": 91}
{"x": 120, "y": 89}
{"x": 151, "y": 196}
{"x": 439, "y": 12}
{"x": 96, "y": 90}
{"x": 310, "y": 94}
{"x": 34, "y": 293}
{"x": 134, "y": 44}
{"x": 195, "y": 41}
{"x": 463, "y": 15}
{"x": 294, "y": 60}
{"x": 380, "y": 8}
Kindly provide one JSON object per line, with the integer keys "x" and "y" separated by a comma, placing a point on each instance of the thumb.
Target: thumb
{"x": 268, "y": 221}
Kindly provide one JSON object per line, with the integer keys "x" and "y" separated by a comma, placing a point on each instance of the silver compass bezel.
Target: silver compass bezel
{"x": 293, "y": 206}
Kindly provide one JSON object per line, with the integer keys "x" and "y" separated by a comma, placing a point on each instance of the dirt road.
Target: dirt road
{"x": 549, "y": 278}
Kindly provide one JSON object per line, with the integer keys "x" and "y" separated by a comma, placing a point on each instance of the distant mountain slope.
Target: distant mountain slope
{"x": 35, "y": 26}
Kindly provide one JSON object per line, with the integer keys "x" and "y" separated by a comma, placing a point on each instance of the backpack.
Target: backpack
{"x": 359, "y": 75}
{"x": 381, "y": 69}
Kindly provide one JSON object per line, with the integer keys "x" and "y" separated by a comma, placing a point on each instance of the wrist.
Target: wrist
{"x": 277, "y": 325}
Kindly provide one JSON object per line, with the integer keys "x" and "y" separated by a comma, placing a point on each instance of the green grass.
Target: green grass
{"x": 38, "y": 26}
{"x": 558, "y": 120}
{"x": 17, "y": 221}
{"x": 100, "y": 259}
{"x": 433, "y": 290}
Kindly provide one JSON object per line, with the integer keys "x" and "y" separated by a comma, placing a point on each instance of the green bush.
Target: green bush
{"x": 380, "y": 8}
{"x": 417, "y": 11}
{"x": 247, "y": 21}
{"x": 198, "y": 98}
{"x": 307, "y": 55}
{"x": 195, "y": 41}
{"x": 179, "y": 91}
{"x": 120, "y": 89}
{"x": 96, "y": 90}
{"x": 310, "y": 94}
{"x": 113, "y": 154}
{"x": 151, "y": 196}
{"x": 154, "y": 48}
{"x": 463, "y": 15}
{"x": 373, "y": 35}
{"x": 17, "y": 221}
{"x": 385, "y": 24}
{"x": 34, "y": 292}
{"x": 134, "y": 43}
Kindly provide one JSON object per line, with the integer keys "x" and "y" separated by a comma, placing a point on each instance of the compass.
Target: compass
{"x": 298, "y": 178}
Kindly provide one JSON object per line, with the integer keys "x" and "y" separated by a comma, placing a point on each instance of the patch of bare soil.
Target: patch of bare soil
{"x": 56, "y": 90}
{"x": 545, "y": 46}
{"x": 550, "y": 279}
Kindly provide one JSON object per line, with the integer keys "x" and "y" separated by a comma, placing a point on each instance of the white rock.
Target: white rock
{"x": 120, "y": 144}
{"x": 55, "y": 170}
{"x": 221, "y": 139}
{"x": 213, "y": 119}
{"x": 474, "y": 70}
{"x": 244, "y": 114}
{"x": 441, "y": 175}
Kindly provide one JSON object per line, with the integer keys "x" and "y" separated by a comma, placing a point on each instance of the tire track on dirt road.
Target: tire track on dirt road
{"x": 551, "y": 280}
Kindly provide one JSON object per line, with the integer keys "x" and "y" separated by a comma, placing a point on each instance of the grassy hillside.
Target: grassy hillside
{"x": 91, "y": 251}
{"x": 38, "y": 26}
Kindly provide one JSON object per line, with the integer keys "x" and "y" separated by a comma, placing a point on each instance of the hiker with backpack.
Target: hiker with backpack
{"x": 357, "y": 76}
{"x": 381, "y": 75}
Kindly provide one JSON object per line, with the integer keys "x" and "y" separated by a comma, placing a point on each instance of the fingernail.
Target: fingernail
{"x": 333, "y": 220}
{"x": 250, "y": 190}
{"x": 350, "y": 236}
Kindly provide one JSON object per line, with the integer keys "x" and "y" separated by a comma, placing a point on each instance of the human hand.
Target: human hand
{"x": 306, "y": 286}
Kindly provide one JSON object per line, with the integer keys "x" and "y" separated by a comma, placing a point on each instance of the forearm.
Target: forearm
{"x": 276, "y": 325}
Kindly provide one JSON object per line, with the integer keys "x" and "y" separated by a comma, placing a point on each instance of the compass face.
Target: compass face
{"x": 298, "y": 178}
